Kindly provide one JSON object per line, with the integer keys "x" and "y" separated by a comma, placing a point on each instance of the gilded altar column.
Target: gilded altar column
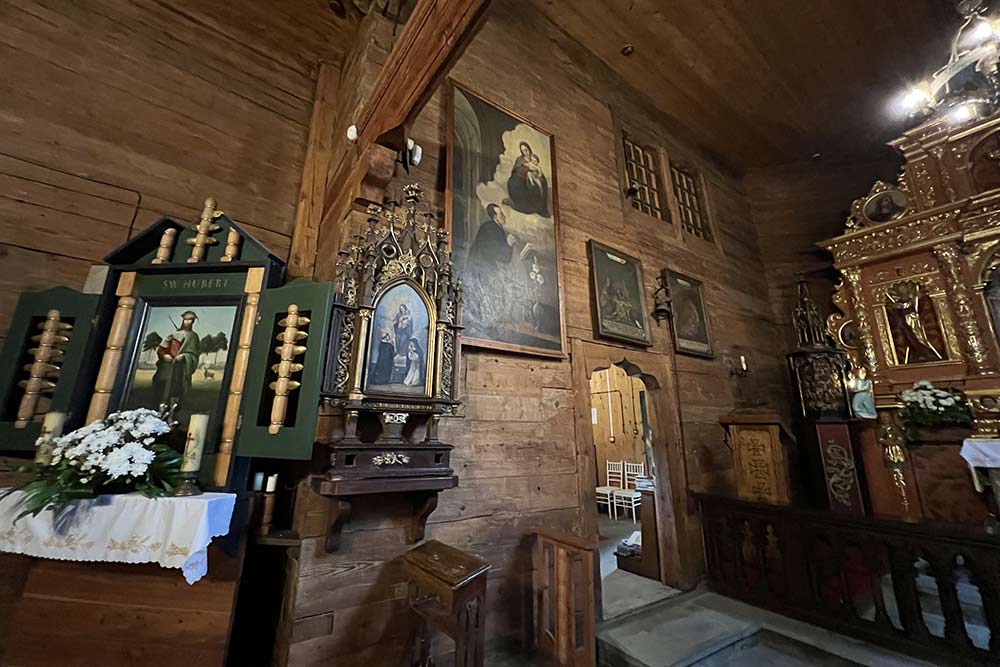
{"x": 972, "y": 337}
{"x": 853, "y": 275}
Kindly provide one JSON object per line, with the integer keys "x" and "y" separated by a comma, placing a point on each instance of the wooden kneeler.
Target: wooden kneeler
{"x": 448, "y": 594}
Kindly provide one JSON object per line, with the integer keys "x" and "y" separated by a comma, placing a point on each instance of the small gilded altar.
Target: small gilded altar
{"x": 920, "y": 296}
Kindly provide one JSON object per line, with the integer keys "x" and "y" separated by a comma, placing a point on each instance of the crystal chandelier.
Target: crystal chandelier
{"x": 967, "y": 87}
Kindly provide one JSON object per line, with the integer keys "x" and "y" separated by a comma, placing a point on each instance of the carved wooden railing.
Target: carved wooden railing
{"x": 926, "y": 589}
{"x": 566, "y": 611}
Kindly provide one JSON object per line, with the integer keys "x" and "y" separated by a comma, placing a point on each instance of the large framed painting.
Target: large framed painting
{"x": 502, "y": 211}
{"x": 692, "y": 333}
{"x": 618, "y": 295}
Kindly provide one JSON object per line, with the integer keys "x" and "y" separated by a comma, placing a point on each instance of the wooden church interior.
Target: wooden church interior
{"x": 475, "y": 324}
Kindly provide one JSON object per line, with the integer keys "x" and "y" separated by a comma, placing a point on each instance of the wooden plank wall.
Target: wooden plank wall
{"x": 794, "y": 207}
{"x": 114, "y": 113}
{"x": 516, "y": 447}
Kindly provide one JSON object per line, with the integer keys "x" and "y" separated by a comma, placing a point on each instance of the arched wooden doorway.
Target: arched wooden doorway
{"x": 679, "y": 535}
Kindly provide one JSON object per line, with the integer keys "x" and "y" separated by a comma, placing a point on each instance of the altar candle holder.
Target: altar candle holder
{"x": 52, "y": 428}
{"x": 194, "y": 446}
{"x": 267, "y": 511}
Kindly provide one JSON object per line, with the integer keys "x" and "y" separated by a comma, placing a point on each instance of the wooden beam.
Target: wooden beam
{"x": 432, "y": 40}
{"x": 309, "y": 212}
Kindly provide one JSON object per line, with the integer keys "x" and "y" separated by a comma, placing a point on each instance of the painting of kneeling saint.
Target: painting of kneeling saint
{"x": 400, "y": 342}
{"x": 504, "y": 224}
{"x": 618, "y": 287}
{"x": 182, "y": 356}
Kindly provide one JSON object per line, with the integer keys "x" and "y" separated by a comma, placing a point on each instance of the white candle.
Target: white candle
{"x": 194, "y": 444}
{"x": 743, "y": 362}
{"x": 52, "y": 427}
{"x": 258, "y": 481}
{"x": 272, "y": 483}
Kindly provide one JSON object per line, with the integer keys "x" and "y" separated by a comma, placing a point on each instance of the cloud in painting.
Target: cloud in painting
{"x": 529, "y": 227}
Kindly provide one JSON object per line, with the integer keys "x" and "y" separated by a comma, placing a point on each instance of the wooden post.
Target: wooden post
{"x": 289, "y": 349}
{"x": 230, "y": 420}
{"x": 166, "y": 249}
{"x": 41, "y": 368}
{"x": 309, "y": 214}
{"x": 205, "y": 228}
{"x": 232, "y": 246}
{"x": 112, "y": 358}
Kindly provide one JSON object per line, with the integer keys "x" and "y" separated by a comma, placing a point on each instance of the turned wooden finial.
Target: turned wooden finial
{"x": 204, "y": 230}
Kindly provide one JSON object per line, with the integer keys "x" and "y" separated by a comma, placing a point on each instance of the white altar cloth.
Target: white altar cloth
{"x": 127, "y": 528}
{"x": 981, "y": 453}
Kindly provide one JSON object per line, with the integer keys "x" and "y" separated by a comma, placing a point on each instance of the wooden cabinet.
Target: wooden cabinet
{"x": 760, "y": 455}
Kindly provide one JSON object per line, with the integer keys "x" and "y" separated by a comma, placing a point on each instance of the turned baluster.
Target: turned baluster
{"x": 904, "y": 583}
{"x": 943, "y": 570}
{"x": 284, "y": 369}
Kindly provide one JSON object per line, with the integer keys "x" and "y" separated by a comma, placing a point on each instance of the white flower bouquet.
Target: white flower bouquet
{"x": 925, "y": 406}
{"x": 118, "y": 454}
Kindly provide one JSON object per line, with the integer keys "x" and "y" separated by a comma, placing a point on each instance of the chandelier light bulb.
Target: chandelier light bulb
{"x": 916, "y": 98}
{"x": 963, "y": 113}
{"x": 983, "y": 32}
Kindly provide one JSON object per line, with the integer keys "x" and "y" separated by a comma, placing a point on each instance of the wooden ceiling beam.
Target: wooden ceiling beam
{"x": 433, "y": 38}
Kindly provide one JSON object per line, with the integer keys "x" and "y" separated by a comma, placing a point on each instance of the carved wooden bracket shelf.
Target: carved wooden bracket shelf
{"x": 423, "y": 492}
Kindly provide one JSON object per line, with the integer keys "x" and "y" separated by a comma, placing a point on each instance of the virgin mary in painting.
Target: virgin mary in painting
{"x": 527, "y": 185}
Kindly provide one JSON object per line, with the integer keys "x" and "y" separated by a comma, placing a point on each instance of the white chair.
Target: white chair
{"x": 605, "y": 493}
{"x": 627, "y": 497}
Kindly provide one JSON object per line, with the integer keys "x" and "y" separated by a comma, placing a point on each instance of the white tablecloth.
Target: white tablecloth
{"x": 174, "y": 532}
{"x": 981, "y": 453}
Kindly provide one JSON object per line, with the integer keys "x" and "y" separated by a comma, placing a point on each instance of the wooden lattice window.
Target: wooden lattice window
{"x": 690, "y": 205}
{"x": 642, "y": 171}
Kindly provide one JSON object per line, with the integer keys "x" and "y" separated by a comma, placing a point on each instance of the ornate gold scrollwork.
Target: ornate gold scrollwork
{"x": 985, "y": 406}
{"x": 853, "y": 276}
{"x": 972, "y": 337}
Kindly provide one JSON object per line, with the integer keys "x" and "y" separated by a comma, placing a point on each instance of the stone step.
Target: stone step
{"x": 703, "y": 629}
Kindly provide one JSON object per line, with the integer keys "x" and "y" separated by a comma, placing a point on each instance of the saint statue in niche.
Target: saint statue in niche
{"x": 862, "y": 399}
{"x": 912, "y": 323}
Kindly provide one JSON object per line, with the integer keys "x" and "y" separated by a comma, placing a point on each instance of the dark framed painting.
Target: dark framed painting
{"x": 401, "y": 339}
{"x": 502, "y": 211}
{"x": 692, "y": 333}
{"x": 618, "y": 295}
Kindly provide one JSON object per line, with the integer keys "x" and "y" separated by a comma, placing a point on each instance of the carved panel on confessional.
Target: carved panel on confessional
{"x": 984, "y": 163}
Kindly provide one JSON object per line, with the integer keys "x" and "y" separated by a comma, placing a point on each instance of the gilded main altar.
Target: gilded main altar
{"x": 920, "y": 290}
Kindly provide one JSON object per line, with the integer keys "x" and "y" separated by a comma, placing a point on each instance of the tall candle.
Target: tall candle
{"x": 194, "y": 444}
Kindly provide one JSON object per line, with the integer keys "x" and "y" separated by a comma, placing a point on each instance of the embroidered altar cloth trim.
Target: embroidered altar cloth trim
{"x": 127, "y": 528}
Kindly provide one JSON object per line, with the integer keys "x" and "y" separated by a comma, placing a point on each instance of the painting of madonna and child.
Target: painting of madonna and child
{"x": 504, "y": 226}
{"x": 397, "y": 358}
